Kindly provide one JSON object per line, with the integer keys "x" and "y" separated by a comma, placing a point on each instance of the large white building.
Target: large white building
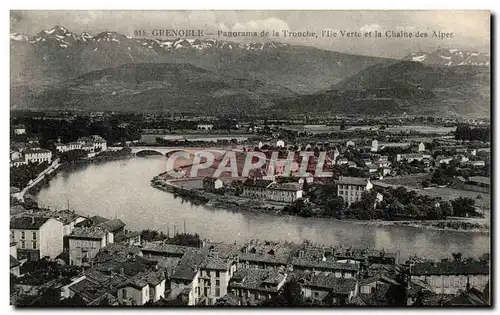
{"x": 36, "y": 236}
{"x": 37, "y": 156}
{"x": 352, "y": 188}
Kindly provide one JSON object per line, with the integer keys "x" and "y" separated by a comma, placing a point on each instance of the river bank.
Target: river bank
{"x": 35, "y": 189}
{"x": 235, "y": 203}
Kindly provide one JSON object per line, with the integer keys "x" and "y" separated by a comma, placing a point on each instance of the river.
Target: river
{"x": 122, "y": 189}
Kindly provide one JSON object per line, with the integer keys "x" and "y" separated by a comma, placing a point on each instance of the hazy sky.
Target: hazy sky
{"x": 471, "y": 29}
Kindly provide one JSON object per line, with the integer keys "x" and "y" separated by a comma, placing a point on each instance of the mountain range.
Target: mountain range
{"x": 58, "y": 69}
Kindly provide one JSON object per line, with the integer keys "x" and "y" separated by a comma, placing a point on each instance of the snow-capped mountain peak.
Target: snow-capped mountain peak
{"x": 450, "y": 57}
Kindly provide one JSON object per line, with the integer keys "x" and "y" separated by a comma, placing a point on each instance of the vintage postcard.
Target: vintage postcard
{"x": 250, "y": 158}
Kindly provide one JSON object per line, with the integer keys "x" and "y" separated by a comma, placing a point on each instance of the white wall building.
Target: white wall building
{"x": 37, "y": 156}
{"x": 36, "y": 236}
{"x": 352, "y": 188}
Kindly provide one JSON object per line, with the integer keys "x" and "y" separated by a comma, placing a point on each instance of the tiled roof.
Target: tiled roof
{"x": 188, "y": 265}
{"x": 87, "y": 232}
{"x": 112, "y": 225}
{"x": 450, "y": 268}
{"x": 215, "y": 263}
{"x": 327, "y": 265}
{"x": 358, "y": 181}
{"x": 36, "y": 150}
{"x": 326, "y": 281}
{"x": 161, "y": 247}
{"x": 258, "y": 183}
{"x": 126, "y": 236}
{"x": 286, "y": 186}
{"x": 257, "y": 279}
{"x": 27, "y": 222}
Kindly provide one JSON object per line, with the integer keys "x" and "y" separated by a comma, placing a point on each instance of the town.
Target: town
{"x": 428, "y": 172}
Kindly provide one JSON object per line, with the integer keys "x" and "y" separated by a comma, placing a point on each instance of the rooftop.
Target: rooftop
{"x": 188, "y": 265}
{"x": 286, "y": 186}
{"x": 257, "y": 279}
{"x": 356, "y": 181}
{"x": 257, "y": 183}
{"x": 112, "y": 225}
{"x": 326, "y": 281}
{"x": 480, "y": 180}
{"x": 88, "y": 232}
{"x": 27, "y": 222}
{"x": 450, "y": 268}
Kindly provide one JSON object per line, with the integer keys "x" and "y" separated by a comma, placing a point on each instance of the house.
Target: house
{"x": 326, "y": 289}
{"x": 373, "y": 290}
{"x": 421, "y": 147}
{"x": 212, "y": 184}
{"x": 68, "y": 218}
{"x": 374, "y": 147}
{"x": 479, "y": 181}
{"x": 37, "y": 155}
{"x": 350, "y": 143}
{"x": 130, "y": 238}
{"x": 477, "y": 163}
{"x": 256, "y": 188}
{"x": 204, "y": 126}
{"x": 448, "y": 277}
{"x": 186, "y": 276}
{"x": 85, "y": 243}
{"x": 254, "y": 286}
{"x": 441, "y": 159}
{"x": 284, "y": 192}
{"x": 19, "y": 130}
{"x": 115, "y": 226}
{"x": 36, "y": 236}
{"x": 148, "y": 286}
{"x": 410, "y": 157}
{"x": 214, "y": 277}
{"x": 280, "y": 144}
{"x": 351, "y": 188}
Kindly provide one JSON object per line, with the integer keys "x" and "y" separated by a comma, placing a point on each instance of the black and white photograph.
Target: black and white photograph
{"x": 250, "y": 158}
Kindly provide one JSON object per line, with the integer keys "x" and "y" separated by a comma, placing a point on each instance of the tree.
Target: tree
{"x": 457, "y": 257}
{"x": 464, "y": 207}
{"x": 290, "y": 295}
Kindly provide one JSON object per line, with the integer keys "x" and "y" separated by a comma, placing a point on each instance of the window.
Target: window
{"x": 257, "y": 295}
{"x": 34, "y": 236}
{"x": 217, "y": 291}
{"x": 23, "y": 244}
{"x": 205, "y": 291}
{"x": 217, "y": 283}
{"x": 23, "y": 236}
{"x": 34, "y": 244}
{"x": 217, "y": 274}
{"x": 124, "y": 293}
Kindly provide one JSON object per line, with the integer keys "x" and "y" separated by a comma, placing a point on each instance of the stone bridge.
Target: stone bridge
{"x": 169, "y": 150}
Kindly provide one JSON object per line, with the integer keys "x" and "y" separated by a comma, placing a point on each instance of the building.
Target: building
{"x": 36, "y": 237}
{"x": 352, "y": 188}
{"x": 479, "y": 181}
{"x": 410, "y": 157}
{"x": 374, "y": 147}
{"x": 284, "y": 192}
{"x": 421, "y": 147}
{"x": 212, "y": 184}
{"x": 280, "y": 144}
{"x": 449, "y": 277}
{"x": 37, "y": 155}
{"x": 130, "y": 238}
{"x": 85, "y": 243}
{"x": 254, "y": 286}
{"x": 19, "y": 130}
{"x": 441, "y": 159}
{"x": 256, "y": 188}
{"x": 144, "y": 287}
{"x": 350, "y": 143}
{"x": 204, "y": 126}
{"x": 326, "y": 289}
